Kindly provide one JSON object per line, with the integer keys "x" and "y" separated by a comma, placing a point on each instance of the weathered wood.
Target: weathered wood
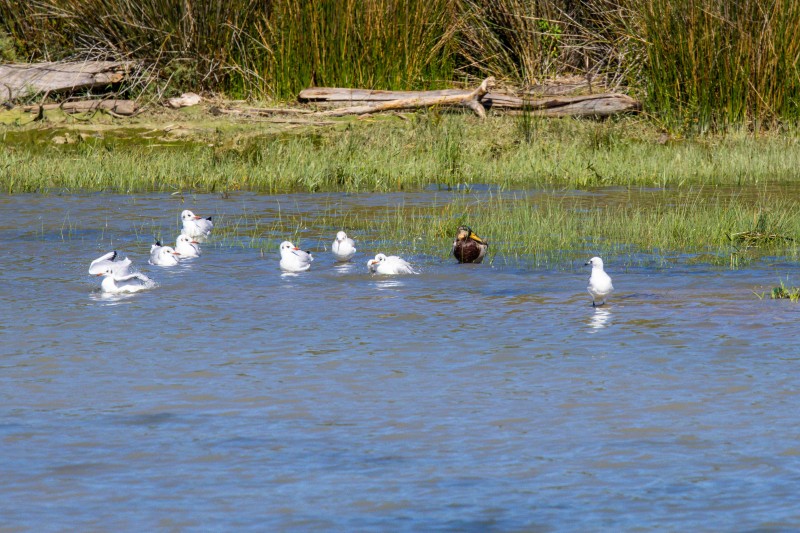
{"x": 471, "y": 99}
{"x": 20, "y": 80}
{"x": 588, "y": 105}
{"x": 333, "y": 94}
{"x": 594, "y": 105}
{"x": 259, "y": 111}
{"x": 115, "y": 107}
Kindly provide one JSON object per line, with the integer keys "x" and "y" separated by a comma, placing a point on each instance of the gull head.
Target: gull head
{"x": 188, "y": 215}
{"x": 596, "y": 262}
{"x": 286, "y": 245}
{"x": 168, "y": 250}
{"x": 186, "y": 239}
{"x": 372, "y": 264}
{"x": 341, "y": 236}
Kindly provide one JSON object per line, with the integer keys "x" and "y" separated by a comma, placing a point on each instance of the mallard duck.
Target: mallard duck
{"x": 599, "y": 282}
{"x": 468, "y": 247}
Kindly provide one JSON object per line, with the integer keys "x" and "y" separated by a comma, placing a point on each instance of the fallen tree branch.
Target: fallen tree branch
{"x": 588, "y": 105}
{"x": 469, "y": 99}
{"x": 120, "y": 108}
{"x": 20, "y": 80}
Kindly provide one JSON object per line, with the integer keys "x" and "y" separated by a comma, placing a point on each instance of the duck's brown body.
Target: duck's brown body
{"x": 468, "y": 247}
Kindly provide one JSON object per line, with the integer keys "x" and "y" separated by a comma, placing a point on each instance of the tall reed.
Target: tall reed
{"x": 715, "y": 63}
{"x": 382, "y": 44}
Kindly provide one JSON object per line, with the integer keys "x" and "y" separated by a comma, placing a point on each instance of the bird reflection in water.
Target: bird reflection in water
{"x": 600, "y": 318}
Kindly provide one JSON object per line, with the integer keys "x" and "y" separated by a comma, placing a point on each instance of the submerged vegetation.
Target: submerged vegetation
{"x": 699, "y": 65}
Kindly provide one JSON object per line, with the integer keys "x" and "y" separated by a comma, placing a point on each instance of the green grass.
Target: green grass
{"x": 699, "y": 65}
{"x": 387, "y": 154}
{"x": 545, "y": 229}
{"x": 785, "y": 292}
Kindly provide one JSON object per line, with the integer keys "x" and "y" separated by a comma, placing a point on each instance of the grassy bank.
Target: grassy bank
{"x": 699, "y": 65}
{"x": 383, "y": 154}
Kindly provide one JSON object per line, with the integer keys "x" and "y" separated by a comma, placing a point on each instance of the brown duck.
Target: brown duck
{"x": 468, "y": 247}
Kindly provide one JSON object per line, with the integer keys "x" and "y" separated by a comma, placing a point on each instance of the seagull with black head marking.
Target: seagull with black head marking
{"x": 196, "y": 226}
{"x": 113, "y": 283}
{"x": 389, "y": 265}
{"x": 110, "y": 260}
{"x": 293, "y": 259}
{"x": 163, "y": 255}
{"x": 187, "y": 247}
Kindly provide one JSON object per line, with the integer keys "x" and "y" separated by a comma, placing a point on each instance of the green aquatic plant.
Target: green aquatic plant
{"x": 785, "y": 292}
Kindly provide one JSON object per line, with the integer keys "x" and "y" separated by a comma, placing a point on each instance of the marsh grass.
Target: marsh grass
{"x": 713, "y": 64}
{"x": 455, "y": 151}
{"x": 543, "y": 229}
{"x": 700, "y": 65}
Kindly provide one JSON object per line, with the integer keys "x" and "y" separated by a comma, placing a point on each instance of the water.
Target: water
{"x": 469, "y": 398}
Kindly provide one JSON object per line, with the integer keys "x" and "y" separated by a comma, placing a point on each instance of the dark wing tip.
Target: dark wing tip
{"x": 158, "y": 243}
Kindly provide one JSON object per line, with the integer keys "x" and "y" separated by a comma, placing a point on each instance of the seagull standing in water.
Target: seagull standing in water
{"x": 187, "y": 247}
{"x": 163, "y": 255}
{"x": 468, "y": 247}
{"x": 343, "y": 248}
{"x": 135, "y": 282}
{"x": 110, "y": 260}
{"x": 599, "y": 282}
{"x": 196, "y": 226}
{"x": 293, "y": 259}
{"x": 391, "y": 265}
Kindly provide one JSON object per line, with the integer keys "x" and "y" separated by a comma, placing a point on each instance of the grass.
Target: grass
{"x": 540, "y": 229}
{"x": 699, "y": 65}
{"x": 386, "y": 154}
{"x": 785, "y": 292}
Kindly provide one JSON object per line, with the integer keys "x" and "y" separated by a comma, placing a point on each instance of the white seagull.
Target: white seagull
{"x": 599, "y": 282}
{"x": 128, "y": 283}
{"x": 343, "y": 248}
{"x": 293, "y": 259}
{"x": 163, "y": 255}
{"x": 187, "y": 247}
{"x": 196, "y": 226}
{"x": 389, "y": 265}
{"x": 110, "y": 260}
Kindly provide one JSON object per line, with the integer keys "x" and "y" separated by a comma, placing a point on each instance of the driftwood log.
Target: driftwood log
{"x": 557, "y": 106}
{"x": 19, "y": 80}
{"x": 124, "y": 108}
{"x": 470, "y": 99}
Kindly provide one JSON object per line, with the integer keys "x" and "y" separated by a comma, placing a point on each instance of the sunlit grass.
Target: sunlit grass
{"x": 389, "y": 155}
{"x": 541, "y": 229}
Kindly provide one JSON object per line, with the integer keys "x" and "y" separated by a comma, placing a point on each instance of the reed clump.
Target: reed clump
{"x": 699, "y": 65}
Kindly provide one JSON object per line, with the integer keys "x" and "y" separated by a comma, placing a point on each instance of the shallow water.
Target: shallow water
{"x": 467, "y": 398}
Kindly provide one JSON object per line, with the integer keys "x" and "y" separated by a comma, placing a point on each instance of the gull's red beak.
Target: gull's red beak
{"x": 196, "y": 217}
